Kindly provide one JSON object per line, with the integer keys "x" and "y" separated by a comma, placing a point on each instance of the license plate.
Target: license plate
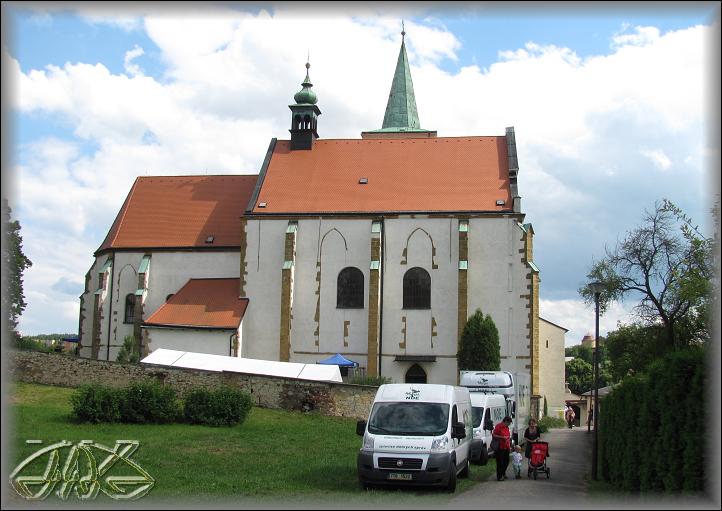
{"x": 399, "y": 477}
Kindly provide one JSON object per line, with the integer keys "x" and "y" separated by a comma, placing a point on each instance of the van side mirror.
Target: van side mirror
{"x": 458, "y": 430}
{"x": 361, "y": 428}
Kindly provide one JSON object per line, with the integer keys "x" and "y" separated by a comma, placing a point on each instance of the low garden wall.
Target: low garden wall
{"x": 336, "y": 399}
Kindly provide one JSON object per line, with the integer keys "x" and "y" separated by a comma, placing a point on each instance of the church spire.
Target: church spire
{"x": 304, "y": 116}
{"x": 401, "y": 110}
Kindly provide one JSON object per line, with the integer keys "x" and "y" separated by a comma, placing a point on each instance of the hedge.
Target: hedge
{"x": 95, "y": 403}
{"x": 651, "y": 427}
{"x": 150, "y": 402}
{"x": 222, "y": 406}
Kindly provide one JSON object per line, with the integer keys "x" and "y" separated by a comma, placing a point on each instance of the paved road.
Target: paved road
{"x": 570, "y": 464}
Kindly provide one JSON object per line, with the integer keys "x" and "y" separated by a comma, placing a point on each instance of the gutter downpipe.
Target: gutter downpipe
{"x": 381, "y": 304}
{"x": 110, "y": 311}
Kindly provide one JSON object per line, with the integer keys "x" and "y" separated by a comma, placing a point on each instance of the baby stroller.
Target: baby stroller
{"x": 538, "y": 459}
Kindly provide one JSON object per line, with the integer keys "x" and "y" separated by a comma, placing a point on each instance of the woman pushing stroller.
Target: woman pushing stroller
{"x": 532, "y": 434}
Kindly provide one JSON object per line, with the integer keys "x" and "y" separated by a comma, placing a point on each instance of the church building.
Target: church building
{"x": 378, "y": 248}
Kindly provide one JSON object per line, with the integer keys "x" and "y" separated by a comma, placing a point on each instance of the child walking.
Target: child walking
{"x": 516, "y": 459}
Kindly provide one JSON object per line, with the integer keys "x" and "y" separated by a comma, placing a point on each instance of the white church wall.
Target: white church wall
{"x": 168, "y": 272}
{"x": 265, "y": 240}
{"x": 497, "y": 279}
{"x": 213, "y": 342}
{"x": 420, "y": 236}
{"x": 335, "y": 244}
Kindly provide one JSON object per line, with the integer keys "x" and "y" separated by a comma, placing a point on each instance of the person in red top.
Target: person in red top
{"x": 503, "y": 436}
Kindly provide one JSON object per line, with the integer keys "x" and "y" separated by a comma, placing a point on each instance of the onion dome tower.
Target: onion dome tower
{"x": 304, "y": 116}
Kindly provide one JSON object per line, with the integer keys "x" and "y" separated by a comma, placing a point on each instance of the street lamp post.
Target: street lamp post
{"x": 596, "y": 288}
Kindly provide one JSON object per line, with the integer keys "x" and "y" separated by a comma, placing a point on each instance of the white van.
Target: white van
{"x": 515, "y": 387}
{"x": 487, "y": 410}
{"x": 416, "y": 434}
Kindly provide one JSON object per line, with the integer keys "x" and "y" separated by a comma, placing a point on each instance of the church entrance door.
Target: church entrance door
{"x": 415, "y": 374}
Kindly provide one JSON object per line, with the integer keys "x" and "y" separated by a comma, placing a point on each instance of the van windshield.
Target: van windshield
{"x": 428, "y": 419}
{"x": 477, "y": 412}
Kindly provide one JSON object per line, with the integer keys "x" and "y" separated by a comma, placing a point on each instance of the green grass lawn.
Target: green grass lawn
{"x": 273, "y": 455}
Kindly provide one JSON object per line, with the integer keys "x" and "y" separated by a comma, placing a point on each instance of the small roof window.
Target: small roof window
{"x": 363, "y": 180}
{"x": 261, "y": 204}
{"x": 210, "y": 239}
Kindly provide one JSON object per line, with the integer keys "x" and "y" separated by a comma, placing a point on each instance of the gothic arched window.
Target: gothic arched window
{"x": 417, "y": 289}
{"x": 415, "y": 374}
{"x": 129, "y": 308}
{"x": 350, "y": 289}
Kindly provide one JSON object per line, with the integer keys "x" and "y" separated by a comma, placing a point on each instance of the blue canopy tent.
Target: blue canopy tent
{"x": 338, "y": 360}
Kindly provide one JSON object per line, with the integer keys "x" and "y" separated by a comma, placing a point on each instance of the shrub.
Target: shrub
{"x": 148, "y": 401}
{"x": 222, "y": 406}
{"x": 96, "y": 403}
{"x": 128, "y": 354}
{"x": 370, "y": 380}
{"x": 546, "y": 423}
{"x": 26, "y": 344}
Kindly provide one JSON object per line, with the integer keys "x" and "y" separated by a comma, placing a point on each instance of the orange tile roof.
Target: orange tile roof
{"x": 182, "y": 211}
{"x": 203, "y": 303}
{"x": 425, "y": 175}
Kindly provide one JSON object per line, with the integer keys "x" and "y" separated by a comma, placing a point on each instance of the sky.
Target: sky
{"x": 610, "y": 105}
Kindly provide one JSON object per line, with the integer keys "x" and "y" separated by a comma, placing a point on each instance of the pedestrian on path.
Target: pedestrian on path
{"x": 531, "y": 434}
{"x": 502, "y": 437}
{"x": 570, "y": 415}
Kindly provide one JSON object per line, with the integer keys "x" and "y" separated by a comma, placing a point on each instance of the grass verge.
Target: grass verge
{"x": 274, "y": 454}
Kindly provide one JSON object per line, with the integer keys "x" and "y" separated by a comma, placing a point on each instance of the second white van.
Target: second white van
{"x": 416, "y": 434}
{"x": 487, "y": 410}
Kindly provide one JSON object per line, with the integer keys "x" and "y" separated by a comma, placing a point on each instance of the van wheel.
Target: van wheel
{"x": 484, "y": 456}
{"x": 465, "y": 471}
{"x": 451, "y": 484}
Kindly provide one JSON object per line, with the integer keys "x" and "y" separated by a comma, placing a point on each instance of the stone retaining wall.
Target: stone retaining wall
{"x": 337, "y": 399}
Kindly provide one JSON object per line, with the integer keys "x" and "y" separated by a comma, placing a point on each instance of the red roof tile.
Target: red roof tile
{"x": 426, "y": 175}
{"x": 182, "y": 211}
{"x": 204, "y": 303}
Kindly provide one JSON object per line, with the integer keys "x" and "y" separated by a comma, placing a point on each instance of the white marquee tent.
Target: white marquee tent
{"x": 208, "y": 362}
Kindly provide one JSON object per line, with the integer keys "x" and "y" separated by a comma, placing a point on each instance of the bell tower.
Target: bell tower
{"x": 304, "y": 116}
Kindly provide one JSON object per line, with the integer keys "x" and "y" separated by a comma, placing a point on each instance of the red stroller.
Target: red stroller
{"x": 538, "y": 459}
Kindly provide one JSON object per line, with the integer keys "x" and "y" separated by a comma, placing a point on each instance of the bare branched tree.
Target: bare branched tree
{"x": 668, "y": 264}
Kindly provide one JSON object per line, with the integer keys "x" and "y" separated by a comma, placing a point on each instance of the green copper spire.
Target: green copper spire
{"x": 306, "y": 95}
{"x": 401, "y": 113}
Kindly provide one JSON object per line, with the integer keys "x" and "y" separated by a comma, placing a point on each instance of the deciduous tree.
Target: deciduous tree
{"x": 14, "y": 264}
{"x": 667, "y": 263}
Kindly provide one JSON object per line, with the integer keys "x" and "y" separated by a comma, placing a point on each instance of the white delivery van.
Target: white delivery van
{"x": 487, "y": 410}
{"x": 515, "y": 387}
{"x": 416, "y": 434}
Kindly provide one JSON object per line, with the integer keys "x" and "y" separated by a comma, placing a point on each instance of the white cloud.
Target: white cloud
{"x": 589, "y": 131}
{"x": 130, "y": 68}
{"x": 660, "y": 160}
{"x": 580, "y": 318}
{"x": 641, "y": 36}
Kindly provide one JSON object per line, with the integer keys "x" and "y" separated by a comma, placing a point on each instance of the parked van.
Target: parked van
{"x": 416, "y": 434}
{"x": 487, "y": 410}
{"x": 515, "y": 387}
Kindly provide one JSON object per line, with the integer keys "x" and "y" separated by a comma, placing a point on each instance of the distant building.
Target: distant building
{"x": 551, "y": 366}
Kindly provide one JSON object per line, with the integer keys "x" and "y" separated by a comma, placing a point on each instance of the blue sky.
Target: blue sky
{"x": 600, "y": 140}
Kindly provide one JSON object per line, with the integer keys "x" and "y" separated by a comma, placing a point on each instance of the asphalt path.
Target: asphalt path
{"x": 570, "y": 455}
